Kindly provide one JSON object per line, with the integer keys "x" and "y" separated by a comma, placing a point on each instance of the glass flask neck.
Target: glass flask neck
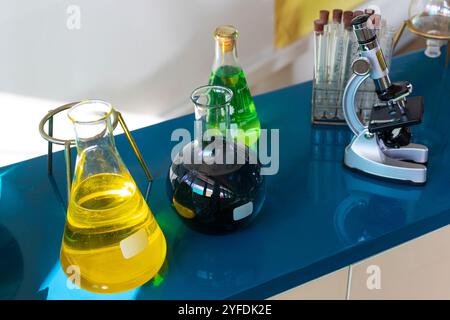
{"x": 225, "y": 53}
{"x": 96, "y": 151}
{"x": 92, "y": 124}
{"x": 212, "y": 114}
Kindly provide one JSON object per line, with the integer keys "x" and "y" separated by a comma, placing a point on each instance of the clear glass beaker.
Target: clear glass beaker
{"x": 111, "y": 237}
{"x": 215, "y": 181}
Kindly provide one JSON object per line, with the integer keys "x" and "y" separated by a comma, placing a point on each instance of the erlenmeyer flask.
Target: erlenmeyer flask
{"x": 111, "y": 237}
{"x": 215, "y": 183}
{"x": 227, "y": 72}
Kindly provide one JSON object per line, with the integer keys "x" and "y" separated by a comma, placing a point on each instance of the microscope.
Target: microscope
{"x": 382, "y": 147}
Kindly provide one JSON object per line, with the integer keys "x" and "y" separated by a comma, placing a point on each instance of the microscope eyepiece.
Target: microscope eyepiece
{"x": 363, "y": 28}
{"x": 358, "y": 20}
{"x": 369, "y": 48}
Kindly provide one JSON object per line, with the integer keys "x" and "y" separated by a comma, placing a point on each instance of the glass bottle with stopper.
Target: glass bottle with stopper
{"x": 227, "y": 72}
{"x": 215, "y": 182}
{"x": 111, "y": 236}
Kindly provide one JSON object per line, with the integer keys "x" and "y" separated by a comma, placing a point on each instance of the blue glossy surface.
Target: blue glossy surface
{"x": 318, "y": 216}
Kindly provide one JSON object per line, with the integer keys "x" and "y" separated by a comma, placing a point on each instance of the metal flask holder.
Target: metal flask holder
{"x": 117, "y": 118}
{"x": 429, "y": 19}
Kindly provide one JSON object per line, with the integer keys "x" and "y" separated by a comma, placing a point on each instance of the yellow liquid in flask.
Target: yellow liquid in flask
{"x": 111, "y": 236}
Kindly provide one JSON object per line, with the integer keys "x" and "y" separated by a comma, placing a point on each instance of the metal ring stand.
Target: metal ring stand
{"x": 68, "y": 143}
{"x": 407, "y": 24}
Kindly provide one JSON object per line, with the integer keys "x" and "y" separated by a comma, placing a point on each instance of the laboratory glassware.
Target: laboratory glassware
{"x": 227, "y": 72}
{"x": 112, "y": 242}
{"x": 215, "y": 182}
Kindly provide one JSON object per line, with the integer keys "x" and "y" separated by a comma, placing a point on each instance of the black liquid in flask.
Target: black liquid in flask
{"x": 215, "y": 183}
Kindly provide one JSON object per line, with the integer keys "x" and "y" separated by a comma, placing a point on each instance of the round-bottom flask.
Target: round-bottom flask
{"x": 215, "y": 183}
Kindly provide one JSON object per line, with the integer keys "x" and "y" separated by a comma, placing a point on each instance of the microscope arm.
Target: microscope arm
{"x": 361, "y": 69}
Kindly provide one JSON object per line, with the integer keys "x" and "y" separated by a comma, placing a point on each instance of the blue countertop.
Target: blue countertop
{"x": 318, "y": 216}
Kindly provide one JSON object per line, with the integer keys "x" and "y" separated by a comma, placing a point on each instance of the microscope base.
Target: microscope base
{"x": 365, "y": 154}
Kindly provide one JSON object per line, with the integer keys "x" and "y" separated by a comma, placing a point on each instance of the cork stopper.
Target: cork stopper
{"x": 318, "y": 26}
{"x": 348, "y": 16}
{"x": 324, "y": 15}
{"x": 357, "y": 13}
{"x": 337, "y": 15}
{"x": 226, "y": 37}
{"x": 376, "y": 20}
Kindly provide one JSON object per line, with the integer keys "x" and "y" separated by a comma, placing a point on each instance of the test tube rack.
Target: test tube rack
{"x": 326, "y": 101}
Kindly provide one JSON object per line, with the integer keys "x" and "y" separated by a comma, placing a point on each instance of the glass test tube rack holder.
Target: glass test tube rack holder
{"x": 117, "y": 119}
{"x": 327, "y": 95}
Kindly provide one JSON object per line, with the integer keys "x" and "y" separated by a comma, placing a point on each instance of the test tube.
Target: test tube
{"x": 335, "y": 61}
{"x": 376, "y": 22}
{"x": 328, "y": 112}
{"x": 334, "y": 45}
{"x": 337, "y": 16}
{"x": 320, "y": 51}
{"x": 387, "y": 42}
{"x": 324, "y": 16}
{"x": 369, "y": 11}
{"x": 348, "y": 43}
{"x": 347, "y": 51}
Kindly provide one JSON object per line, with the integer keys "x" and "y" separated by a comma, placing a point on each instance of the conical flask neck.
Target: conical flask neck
{"x": 225, "y": 47}
{"x": 103, "y": 139}
{"x": 96, "y": 151}
{"x": 225, "y": 58}
{"x": 92, "y": 124}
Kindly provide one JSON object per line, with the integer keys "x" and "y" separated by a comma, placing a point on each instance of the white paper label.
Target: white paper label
{"x": 134, "y": 244}
{"x": 243, "y": 211}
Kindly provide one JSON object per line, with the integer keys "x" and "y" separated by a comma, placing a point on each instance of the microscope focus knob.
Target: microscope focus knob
{"x": 361, "y": 66}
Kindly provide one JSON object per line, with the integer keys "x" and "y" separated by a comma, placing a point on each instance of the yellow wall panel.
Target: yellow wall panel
{"x": 294, "y": 18}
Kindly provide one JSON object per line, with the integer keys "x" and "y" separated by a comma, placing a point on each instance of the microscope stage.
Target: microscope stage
{"x": 388, "y": 118}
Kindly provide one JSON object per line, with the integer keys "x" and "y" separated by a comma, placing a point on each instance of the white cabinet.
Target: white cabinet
{"x": 330, "y": 286}
{"x": 418, "y": 269}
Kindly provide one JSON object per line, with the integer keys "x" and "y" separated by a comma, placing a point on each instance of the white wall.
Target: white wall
{"x": 144, "y": 56}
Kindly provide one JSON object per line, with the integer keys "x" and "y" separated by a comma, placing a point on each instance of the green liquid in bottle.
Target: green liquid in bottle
{"x": 243, "y": 114}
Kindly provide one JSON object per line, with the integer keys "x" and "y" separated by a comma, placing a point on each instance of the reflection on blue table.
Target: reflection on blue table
{"x": 11, "y": 265}
{"x": 58, "y": 287}
{"x": 318, "y": 216}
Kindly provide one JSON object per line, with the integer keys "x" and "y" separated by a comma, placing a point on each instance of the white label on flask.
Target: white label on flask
{"x": 134, "y": 244}
{"x": 243, "y": 211}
